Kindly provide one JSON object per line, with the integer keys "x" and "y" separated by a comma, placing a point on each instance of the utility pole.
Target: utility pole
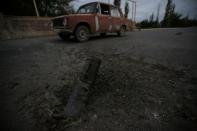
{"x": 36, "y": 9}
{"x": 133, "y": 10}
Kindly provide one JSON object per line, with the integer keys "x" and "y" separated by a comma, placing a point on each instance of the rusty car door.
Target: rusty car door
{"x": 103, "y": 21}
{"x": 116, "y": 19}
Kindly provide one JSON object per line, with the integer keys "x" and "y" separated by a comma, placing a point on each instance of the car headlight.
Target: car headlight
{"x": 65, "y": 22}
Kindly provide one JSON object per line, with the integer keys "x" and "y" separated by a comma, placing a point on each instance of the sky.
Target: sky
{"x": 146, "y": 7}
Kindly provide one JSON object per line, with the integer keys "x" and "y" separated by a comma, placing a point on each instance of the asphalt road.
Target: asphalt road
{"x": 171, "y": 47}
{"x": 32, "y": 69}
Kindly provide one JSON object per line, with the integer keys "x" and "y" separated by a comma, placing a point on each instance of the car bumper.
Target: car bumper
{"x": 60, "y": 29}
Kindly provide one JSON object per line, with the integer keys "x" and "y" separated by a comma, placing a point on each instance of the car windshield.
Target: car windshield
{"x": 88, "y": 8}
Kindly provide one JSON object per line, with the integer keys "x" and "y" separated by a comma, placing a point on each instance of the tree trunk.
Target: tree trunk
{"x": 117, "y": 2}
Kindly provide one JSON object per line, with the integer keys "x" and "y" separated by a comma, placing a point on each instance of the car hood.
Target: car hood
{"x": 71, "y": 15}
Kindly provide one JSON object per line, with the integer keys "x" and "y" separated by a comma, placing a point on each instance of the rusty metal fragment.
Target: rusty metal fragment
{"x": 76, "y": 103}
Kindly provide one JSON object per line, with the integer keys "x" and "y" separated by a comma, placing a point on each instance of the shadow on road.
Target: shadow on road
{"x": 92, "y": 38}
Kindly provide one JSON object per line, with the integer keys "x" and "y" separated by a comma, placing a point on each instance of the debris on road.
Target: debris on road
{"x": 76, "y": 102}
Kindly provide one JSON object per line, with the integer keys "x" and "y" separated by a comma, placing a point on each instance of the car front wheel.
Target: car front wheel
{"x": 82, "y": 33}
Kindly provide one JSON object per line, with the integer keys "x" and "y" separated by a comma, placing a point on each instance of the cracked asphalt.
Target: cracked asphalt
{"x": 147, "y": 81}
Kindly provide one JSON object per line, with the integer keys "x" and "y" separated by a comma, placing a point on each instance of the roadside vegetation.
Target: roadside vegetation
{"x": 45, "y": 7}
{"x": 171, "y": 19}
{"x": 60, "y": 7}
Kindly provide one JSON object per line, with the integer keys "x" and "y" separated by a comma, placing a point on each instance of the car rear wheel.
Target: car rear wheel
{"x": 122, "y": 31}
{"x": 82, "y": 33}
{"x": 64, "y": 36}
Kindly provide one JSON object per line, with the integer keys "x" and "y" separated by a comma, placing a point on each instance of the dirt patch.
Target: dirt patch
{"x": 128, "y": 94}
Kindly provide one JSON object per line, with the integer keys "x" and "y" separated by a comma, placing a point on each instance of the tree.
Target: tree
{"x": 53, "y": 7}
{"x": 26, "y": 7}
{"x": 170, "y": 16}
{"x": 117, "y": 2}
{"x": 126, "y": 9}
{"x": 171, "y": 19}
{"x": 149, "y": 23}
{"x": 151, "y": 19}
{"x": 158, "y": 12}
{"x": 17, "y": 7}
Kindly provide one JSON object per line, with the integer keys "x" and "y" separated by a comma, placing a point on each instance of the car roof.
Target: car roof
{"x": 104, "y": 4}
{"x": 101, "y": 3}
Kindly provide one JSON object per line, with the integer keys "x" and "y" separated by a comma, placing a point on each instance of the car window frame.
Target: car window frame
{"x": 113, "y": 7}
{"x": 98, "y": 8}
{"x": 108, "y": 9}
{"x": 94, "y": 11}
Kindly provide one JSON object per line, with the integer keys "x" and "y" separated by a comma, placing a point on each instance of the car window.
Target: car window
{"x": 104, "y": 9}
{"x": 89, "y": 8}
{"x": 115, "y": 12}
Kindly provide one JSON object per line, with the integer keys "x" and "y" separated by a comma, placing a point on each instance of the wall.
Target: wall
{"x": 16, "y": 27}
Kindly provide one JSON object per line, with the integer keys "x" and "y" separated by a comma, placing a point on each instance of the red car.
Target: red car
{"x": 91, "y": 18}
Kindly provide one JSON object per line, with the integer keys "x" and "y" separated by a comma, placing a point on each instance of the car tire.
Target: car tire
{"x": 122, "y": 31}
{"x": 64, "y": 36}
{"x": 82, "y": 33}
